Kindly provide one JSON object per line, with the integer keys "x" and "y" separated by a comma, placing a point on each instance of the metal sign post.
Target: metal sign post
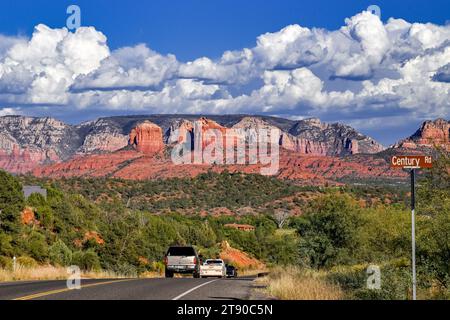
{"x": 412, "y": 163}
{"x": 413, "y": 232}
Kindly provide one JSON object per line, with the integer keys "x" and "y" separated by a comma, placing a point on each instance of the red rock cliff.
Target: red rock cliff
{"x": 147, "y": 138}
{"x": 206, "y": 125}
{"x": 430, "y": 134}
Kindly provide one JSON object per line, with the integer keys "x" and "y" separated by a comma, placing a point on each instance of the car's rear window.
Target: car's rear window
{"x": 181, "y": 251}
{"x": 213, "y": 262}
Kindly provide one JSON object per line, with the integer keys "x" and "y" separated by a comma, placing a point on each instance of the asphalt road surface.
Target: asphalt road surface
{"x": 131, "y": 289}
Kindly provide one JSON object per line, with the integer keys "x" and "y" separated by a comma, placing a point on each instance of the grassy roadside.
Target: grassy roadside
{"x": 59, "y": 273}
{"x": 251, "y": 272}
{"x": 295, "y": 284}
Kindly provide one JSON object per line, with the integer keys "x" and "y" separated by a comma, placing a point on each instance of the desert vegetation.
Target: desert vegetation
{"x": 294, "y": 283}
{"x": 68, "y": 228}
{"x": 339, "y": 239}
{"x": 327, "y": 243}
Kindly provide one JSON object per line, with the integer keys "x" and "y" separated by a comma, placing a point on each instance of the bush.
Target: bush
{"x": 11, "y": 201}
{"x": 86, "y": 260}
{"x": 5, "y": 262}
{"x": 37, "y": 246}
{"x": 291, "y": 283}
{"x": 329, "y": 231}
{"x": 158, "y": 266}
{"x": 26, "y": 262}
{"x": 5, "y": 244}
{"x": 125, "y": 269}
{"x": 60, "y": 254}
{"x": 395, "y": 282}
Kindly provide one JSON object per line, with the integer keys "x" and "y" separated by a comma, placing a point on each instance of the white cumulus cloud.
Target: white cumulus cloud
{"x": 366, "y": 69}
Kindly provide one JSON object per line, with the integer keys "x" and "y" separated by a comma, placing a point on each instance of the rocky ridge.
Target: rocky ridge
{"x": 119, "y": 144}
{"x": 429, "y": 135}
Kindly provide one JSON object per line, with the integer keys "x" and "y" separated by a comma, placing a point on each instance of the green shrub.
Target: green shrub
{"x": 5, "y": 263}
{"x": 11, "y": 202}
{"x": 36, "y": 245}
{"x": 157, "y": 266}
{"x": 395, "y": 282}
{"x": 5, "y": 244}
{"x": 125, "y": 269}
{"x": 86, "y": 260}
{"x": 26, "y": 262}
{"x": 349, "y": 278}
{"x": 395, "y": 285}
{"x": 329, "y": 231}
{"x": 60, "y": 254}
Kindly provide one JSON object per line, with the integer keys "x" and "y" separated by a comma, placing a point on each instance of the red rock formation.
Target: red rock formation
{"x": 238, "y": 258}
{"x": 354, "y": 146}
{"x": 96, "y": 165}
{"x": 431, "y": 134}
{"x": 24, "y": 160}
{"x": 306, "y": 169}
{"x": 303, "y": 146}
{"x": 311, "y": 136}
{"x": 181, "y": 132}
{"x": 27, "y": 143}
{"x": 147, "y": 138}
{"x": 207, "y": 125}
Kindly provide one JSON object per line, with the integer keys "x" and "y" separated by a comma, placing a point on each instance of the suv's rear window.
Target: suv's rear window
{"x": 181, "y": 251}
{"x": 213, "y": 262}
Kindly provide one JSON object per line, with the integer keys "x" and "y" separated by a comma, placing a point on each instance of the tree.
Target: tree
{"x": 329, "y": 231}
{"x": 434, "y": 227}
{"x": 281, "y": 216}
{"x": 11, "y": 202}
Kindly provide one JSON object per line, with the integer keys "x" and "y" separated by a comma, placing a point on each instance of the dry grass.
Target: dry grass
{"x": 57, "y": 273}
{"x": 251, "y": 272}
{"x": 295, "y": 284}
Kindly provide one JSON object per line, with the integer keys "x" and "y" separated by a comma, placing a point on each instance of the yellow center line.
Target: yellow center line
{"x": 47, "y": 293}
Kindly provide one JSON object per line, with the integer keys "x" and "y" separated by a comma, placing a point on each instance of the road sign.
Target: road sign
{"x": 412, "y": 162}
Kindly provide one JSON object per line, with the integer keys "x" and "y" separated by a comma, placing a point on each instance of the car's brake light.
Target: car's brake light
{"x": 195, "y": 260}
{"x": 166, "y": 261}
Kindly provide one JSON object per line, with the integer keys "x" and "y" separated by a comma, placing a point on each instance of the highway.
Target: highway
{"x": 131, "y": 289}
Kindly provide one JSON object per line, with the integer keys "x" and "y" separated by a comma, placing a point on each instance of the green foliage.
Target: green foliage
{"x": 5, "y": 244}
{"x": 26, "y": 262}
{"x": 36, "y": 245}
{"x": 341, "y": 231}
{"x": 86, "y": 260}
{"x": 5, "y": 263}
{"x": 339, "y": 236}
{"x": 60, "y": 254}
{"x": 395, "y": 282}
{"x": 11, "y": 202}
{"x": 209, "y": 190}
{"x": 329, "y": 231}
{"x": 434, "y": 228}
{"x": 385, "y": 234}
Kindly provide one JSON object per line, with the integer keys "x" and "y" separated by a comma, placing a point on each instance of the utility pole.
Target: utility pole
{"x": 413, "y": 230}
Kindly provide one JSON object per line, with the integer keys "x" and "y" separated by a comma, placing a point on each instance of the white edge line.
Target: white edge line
{"x": 193, "y": 289}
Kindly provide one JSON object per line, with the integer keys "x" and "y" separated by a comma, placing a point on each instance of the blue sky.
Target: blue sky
{"x": 294, "y": 59}
{"x": 195, "y": 28}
